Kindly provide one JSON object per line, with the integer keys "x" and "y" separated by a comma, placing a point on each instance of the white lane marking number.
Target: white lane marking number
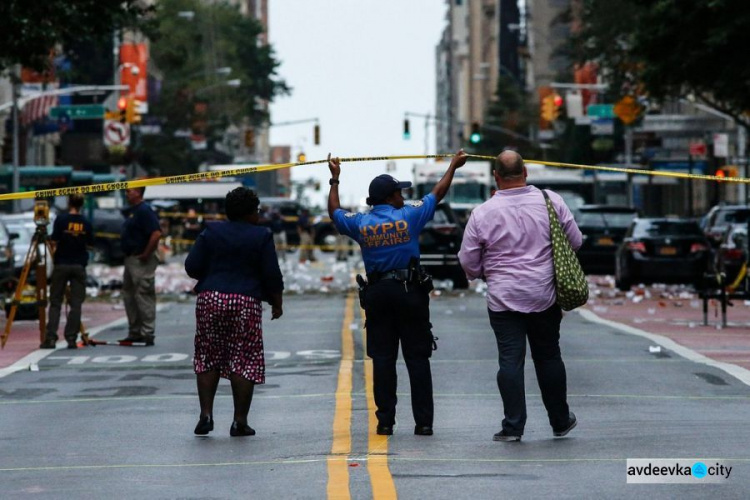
{"x": 172, "y": 357}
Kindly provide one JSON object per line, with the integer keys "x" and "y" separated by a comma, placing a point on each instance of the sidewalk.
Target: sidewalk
{"x": 24, "y": 335}
{"x": 676, "y": 313}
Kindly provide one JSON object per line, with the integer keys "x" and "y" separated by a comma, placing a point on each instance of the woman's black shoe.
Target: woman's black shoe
{"x": 238, "y": 429}
{"x": 205, "y": 425}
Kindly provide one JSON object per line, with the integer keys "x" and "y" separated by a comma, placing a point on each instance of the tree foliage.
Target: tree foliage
{"x": 190, "y": 53}
{"x": 671, "y": 49}
{"x": 30, "y": 30}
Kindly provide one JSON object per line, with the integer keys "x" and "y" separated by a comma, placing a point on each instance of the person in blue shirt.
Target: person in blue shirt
{"x": 396, "y": 302}
{"x": 139, "y": 238}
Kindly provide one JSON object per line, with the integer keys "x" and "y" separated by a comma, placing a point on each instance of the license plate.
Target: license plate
{"x": 668, "y": 251}
{"x": 606, "y": 241}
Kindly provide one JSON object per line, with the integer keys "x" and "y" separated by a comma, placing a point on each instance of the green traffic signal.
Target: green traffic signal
{"x": 475, "y": 136}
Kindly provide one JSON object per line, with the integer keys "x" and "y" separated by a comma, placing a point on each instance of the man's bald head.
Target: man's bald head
{"x": 509, "y": 165}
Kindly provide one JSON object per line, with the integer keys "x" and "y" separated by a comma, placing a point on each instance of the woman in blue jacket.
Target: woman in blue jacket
{"x": 236, "y": 267}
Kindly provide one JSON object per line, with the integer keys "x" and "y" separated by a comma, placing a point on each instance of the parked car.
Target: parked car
{"x": 107, "y": 225}
{"x": 7, "y": 255}
{"x": 662, "y": 250}
{"x": 603, "y": 229}
{"x": 439, "y": 243}
{"x": 732, "y": 252}
{"x": 720, "y": 217}
{"x": 23, "y": 226}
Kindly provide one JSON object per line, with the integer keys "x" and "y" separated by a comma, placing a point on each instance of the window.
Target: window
{"x": 605, "y": 220}
{"x": 646, "y": 229}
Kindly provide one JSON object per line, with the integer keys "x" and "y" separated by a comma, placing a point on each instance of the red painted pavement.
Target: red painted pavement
{"x": 24, "y": 335}
{"x": 677, "y": 313}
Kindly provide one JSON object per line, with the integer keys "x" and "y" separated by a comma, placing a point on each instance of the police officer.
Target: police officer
{"x": 397, "y": 306}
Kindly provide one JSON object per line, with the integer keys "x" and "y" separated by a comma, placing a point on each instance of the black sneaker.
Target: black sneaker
{"x": 72, "y": 345}
{"x": 384, "y": 430}
{"x": 572, "y": 422}
{"x": 149, "y": 341}
{"x": 48, "y": 344}
{"x": 504, "y": 436}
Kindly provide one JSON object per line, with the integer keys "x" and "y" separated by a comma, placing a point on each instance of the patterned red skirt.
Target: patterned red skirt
{"x": 229, "y": 335}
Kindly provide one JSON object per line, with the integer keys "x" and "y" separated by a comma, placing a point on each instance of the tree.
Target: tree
{"x": 189, "y": 55}
{"x": 672, "y": 49}
{"x": 30, "y": 30}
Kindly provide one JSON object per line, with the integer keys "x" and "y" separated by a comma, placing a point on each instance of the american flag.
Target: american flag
{"x": 37, "y": 108}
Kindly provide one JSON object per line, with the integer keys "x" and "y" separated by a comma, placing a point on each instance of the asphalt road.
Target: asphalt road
{"x": 116, "y": 422}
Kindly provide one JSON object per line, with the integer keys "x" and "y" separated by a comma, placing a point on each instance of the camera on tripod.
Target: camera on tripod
{"x": 41, "y": 212}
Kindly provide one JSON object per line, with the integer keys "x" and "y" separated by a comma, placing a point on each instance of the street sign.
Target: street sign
{"x": 602, "y": 126}
{"x": 627, "y": 109}
{"x": 601, "y": 110}
{"x": 79, "y": 111}
{"x": 721, "y": 145}
{"x": 698, "y": 148}
{"x": 116, "y": 133}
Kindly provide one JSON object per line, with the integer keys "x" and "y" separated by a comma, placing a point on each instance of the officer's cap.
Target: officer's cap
{"x": 382, "y": 187}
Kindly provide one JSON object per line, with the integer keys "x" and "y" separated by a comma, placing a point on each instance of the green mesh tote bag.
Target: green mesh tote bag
{"x": 570, "y": 281}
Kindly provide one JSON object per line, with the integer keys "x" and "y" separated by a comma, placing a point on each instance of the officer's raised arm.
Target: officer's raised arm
{"x": 441, "y": 188}
{"x": 334, "y": 165}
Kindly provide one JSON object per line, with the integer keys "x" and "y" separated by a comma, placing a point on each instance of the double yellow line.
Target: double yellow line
{"x": 381, "y": 480}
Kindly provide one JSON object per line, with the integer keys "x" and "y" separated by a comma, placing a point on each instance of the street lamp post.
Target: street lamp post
{"x": 16, "y": 174}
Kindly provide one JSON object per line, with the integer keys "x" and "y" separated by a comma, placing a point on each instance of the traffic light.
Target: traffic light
{"x": 728, "y": 171}
{"x": 476, "y": 135}
{"x": 407, "y": 133}
{"x": 316, "y": 135}
{"x": 551, "y": 107}
{"x": 131, "y": 111}
{"x": 301, "y": 158}
{"x": 250, "y": 138}
{"x": 122, "y": 106}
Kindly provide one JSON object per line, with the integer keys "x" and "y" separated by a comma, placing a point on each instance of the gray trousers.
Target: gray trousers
{"x": 61, "y": 276}
{"x": 139, "y": 296}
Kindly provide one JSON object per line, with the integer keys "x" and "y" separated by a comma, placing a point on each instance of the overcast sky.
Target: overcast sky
{"x": 357, "y": 65}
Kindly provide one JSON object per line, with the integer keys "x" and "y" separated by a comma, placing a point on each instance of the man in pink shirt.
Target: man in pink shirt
{"x": 507, "y": 244}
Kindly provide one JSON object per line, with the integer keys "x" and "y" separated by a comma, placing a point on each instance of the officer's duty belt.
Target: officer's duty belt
{"x": 395, "y": 274}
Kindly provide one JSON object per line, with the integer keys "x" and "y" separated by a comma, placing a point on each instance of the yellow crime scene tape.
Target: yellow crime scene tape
{"x": 239, "y": 171}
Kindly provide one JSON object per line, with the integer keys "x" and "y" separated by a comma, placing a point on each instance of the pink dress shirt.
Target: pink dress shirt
{"x": 507, "y": 242}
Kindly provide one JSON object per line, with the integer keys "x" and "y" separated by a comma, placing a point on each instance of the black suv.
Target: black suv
{"x": 662, "y": 250}
{"x": 439, "y": 243}
{"x": 603, "y": 229}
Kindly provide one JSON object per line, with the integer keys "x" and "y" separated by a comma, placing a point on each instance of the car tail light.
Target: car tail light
{"x": 698, "y": 247}
{"x": 733, "y": 254}
{"x": 446, "y": 229}
{"x": 637, "y": 246}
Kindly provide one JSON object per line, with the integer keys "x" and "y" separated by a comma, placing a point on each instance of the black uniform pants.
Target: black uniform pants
{"x": 61, "y": 276}
{"x": 395, "y": 314}
{"x": 543, "y": 331}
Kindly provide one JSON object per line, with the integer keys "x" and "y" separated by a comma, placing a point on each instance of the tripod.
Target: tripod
{"x": 37, "y": 258}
